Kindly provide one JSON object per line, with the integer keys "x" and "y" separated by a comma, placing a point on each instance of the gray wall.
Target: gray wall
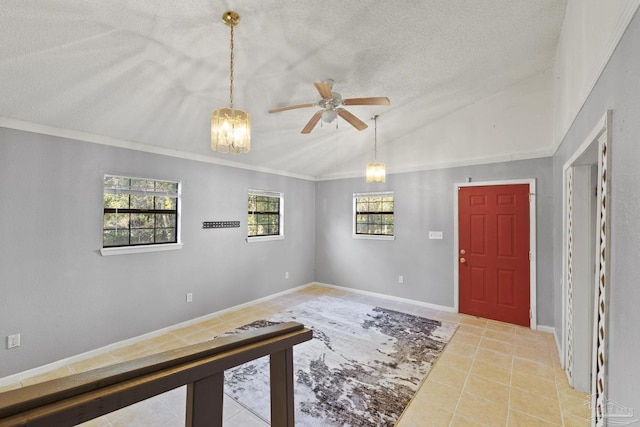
{"x": 65, "y": 298}
{"x": 423, "y": 203}
{"x": 618, "y": 89}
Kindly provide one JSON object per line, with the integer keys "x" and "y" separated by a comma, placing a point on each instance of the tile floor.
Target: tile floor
{"x": 490, "y": 374}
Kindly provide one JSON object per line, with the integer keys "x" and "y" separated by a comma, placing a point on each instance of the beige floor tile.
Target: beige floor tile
{"x": 448, "y": 375}
{"x": 471, "y": 329}
{"x": 150, "y": 412}
{"x": 491, "y": 371}
{"x": 534, "y": 384}
{"x": 425, "y": 415}
{"x": 482, "y": 410}
{"x": 435, "y": 393}
{"x": 520, "y": 419}
{"x": 104, "y": 359}
{"x": 478, "y": 322}
{"x": 496, "y": 345}
{"x": 575, "y": 406}
{"x": 455, "y": 360}
{"x": 468, "y": 386}
{"x": 489, "y": 389}
{"x": 501, "y": 326}
{"x": 534, "y": 368}
{"x": 199, "y": 337}
{"x": 532, "y": 353}
{"x": 540, "y": 343}
{"x": 245, "y": 418}
{"x": 187, "y": 330}
{"x": 463, "y": 337}
{"x": 129, "y": 352}
{"x": 536, "y": 405}
{"x": 61, "y": 372}
{"x": 499, "y": 335}
{"x": 576, "y": 422}
{"x": 462, "y": 421}
{"x": 458, "y": 347}
{"x": 501, "y": 360}
{"x": 448, "y": 317}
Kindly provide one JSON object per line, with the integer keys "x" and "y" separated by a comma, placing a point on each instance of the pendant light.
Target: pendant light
{"x": 375, "y": 171}
{"x": 230, "y": 127}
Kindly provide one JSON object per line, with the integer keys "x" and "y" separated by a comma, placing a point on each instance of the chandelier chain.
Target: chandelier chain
{"x": 375, "y": 140}
{"x": 231, "y": 72}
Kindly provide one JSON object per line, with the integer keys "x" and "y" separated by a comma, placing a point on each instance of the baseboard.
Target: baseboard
{"x": 548, "y": 329}
{"x": 15, "y": 378}
{"x": 391, "y": 298}
{"x": 556, "y": 338}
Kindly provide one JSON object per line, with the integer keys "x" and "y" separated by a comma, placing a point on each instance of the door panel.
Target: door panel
{"x": 494, "y": 252}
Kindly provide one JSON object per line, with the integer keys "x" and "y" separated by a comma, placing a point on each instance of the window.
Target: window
{"x": 373, "y": 215}
{"x": 139, "y": 212}
{"x": 265, "y": 215}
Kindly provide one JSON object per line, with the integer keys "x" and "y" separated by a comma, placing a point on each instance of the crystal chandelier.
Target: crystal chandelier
{"x": 375, "y": 171}
{"x": 230, "y": 127}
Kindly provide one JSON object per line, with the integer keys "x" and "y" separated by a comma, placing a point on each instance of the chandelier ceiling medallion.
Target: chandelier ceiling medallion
{"x": 230, "y": 127}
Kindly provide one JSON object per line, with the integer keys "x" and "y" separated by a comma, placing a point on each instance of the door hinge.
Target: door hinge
{"x": 529, "y": 255}
{"x": 530, "y": 314}
{"x": 531, "y": 195}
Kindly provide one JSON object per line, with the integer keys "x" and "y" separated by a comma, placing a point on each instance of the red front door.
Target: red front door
{"x": 493, "y": 257}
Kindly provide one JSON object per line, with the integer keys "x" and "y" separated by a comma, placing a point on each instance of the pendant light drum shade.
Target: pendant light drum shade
{"x": 376, "y": 172}
{"x": 230, "y": 131}
{"x": 230, "y": 127}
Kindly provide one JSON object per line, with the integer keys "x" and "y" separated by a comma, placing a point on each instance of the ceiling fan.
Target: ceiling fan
{"x": 332, "y": 105}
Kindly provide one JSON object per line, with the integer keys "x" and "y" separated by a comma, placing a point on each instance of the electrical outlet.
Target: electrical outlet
{"x": 189, "y": 297}
{"x": 13, "y": 341}
{"x": 401, "y": 279}
{"x": 286, "y": 275}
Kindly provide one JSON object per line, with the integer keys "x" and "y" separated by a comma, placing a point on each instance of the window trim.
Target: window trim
{"x": 353, "y": 217}
{"x": 155, "y": 247}
{"x": 280, "y": 235}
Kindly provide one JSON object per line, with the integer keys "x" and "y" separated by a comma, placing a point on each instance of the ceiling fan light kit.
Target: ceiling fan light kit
{"x": 230, "y": 127}
{"x": 332, "y": 105}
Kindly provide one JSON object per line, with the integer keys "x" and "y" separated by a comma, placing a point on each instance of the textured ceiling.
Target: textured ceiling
{"x": 151, "y": 72}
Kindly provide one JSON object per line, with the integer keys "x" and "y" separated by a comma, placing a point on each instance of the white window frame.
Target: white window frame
{"x": 353, "y": 218}
{"x": 280, "y": 236}
{"x": 124, "y": 250}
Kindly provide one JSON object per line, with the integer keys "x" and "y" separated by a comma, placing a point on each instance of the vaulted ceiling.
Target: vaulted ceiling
{"x": 148, "y": 74}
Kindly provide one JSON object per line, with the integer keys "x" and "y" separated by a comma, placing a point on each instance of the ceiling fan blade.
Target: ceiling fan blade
{"x": 291, "y": 107}
{"x": 381, "y": 100}
{"x": 324, "y": 89}
{"x": 353, "y": 120}
{"x": 312, "y": 123}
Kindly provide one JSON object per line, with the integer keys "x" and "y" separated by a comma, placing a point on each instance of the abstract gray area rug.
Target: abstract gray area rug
{"x": 362, "y": 367}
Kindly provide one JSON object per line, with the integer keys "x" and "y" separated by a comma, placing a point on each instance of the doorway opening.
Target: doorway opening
{"x": 585, "y": 257}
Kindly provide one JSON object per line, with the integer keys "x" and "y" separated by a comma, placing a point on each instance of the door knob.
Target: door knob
{"x": 462, "y": 251}
{"x": 462, "y": 260}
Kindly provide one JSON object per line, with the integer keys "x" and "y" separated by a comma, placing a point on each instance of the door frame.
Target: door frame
{"x": 600, "y": 135}
{"x": 532, "y": 242}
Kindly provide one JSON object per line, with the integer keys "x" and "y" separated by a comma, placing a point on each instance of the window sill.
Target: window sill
{"x": 264, "y": 238}
{"x": 373, "y": 237}
{"x": 124, "y": 250}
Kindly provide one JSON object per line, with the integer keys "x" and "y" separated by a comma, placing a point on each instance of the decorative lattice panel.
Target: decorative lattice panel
{"x": 569, "y": 278}
{"x": 599, "y": 391}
